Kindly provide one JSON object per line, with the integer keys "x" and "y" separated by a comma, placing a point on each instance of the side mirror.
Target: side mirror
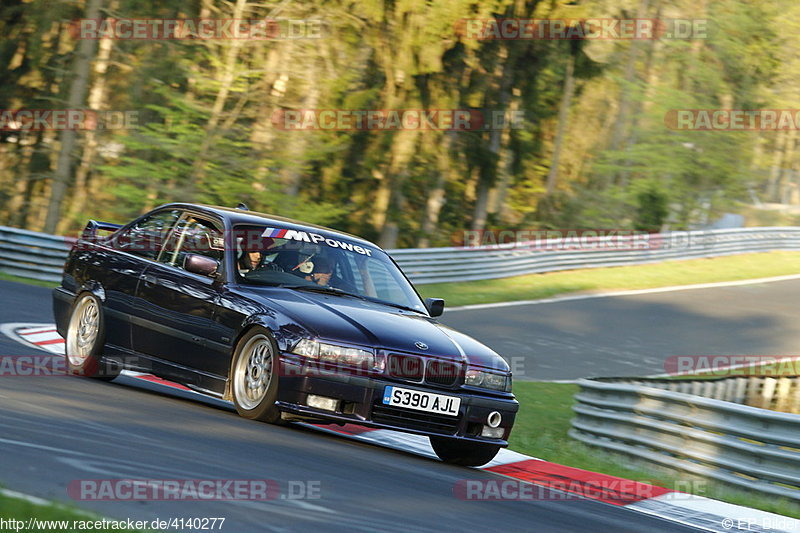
{"x": 200, "y": 264}
{"x": 435, "y": 306}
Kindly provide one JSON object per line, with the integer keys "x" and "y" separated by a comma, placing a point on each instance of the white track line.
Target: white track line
{"x": 41, "y": 502}
{"x": 35, "y": 500}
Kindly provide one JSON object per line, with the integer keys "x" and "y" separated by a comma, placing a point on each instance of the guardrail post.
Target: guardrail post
{"x": 740, "y": 394}
{"x": 783, "y": 400}
{"x": 768, "y": 392}
{"x": 795, "y": 408}
{"x": 754, "y": 391}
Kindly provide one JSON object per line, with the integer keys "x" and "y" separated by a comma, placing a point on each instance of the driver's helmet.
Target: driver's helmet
{"x": 322, "y": 265}
{"x": 314, "y": 265}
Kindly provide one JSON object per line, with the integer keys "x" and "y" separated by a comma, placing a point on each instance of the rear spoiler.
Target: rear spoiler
{"x": 93, "y": 226}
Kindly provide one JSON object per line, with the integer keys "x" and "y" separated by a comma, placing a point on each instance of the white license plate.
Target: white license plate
{"x": 421, "y": 401}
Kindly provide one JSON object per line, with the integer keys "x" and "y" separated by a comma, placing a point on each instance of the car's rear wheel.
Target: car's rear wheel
{"x": 86, "y": 338}
{"x": 255, "y": 376}
{"x": 463, "y": 453}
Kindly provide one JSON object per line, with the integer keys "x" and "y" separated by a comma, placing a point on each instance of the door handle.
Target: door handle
{"x": 148, "y": 279}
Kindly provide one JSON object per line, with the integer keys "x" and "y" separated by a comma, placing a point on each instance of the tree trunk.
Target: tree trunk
{"x": 563, "y": 117}
{"x": 436, "y": 196}
{"x": 263, "y": 132}
{"x": 96, "y": 98}
{"x": 297, "y": 149}
{"x": 786, "y": 173}
{"x": 479, "y": 215}
{"x": 20, "y": 198}
{"x": 497, "y": 196}
{"x": 77, "y": 96}
{"x": 486, "y": 176}
{"x": 639, "y": 105}
{"x": 623, "y": 103}
{"x": 392, "y": 60}
{"x": 775, "y": 168}
{"x": 227, "y": 78}
{"x": 403, "y": 149}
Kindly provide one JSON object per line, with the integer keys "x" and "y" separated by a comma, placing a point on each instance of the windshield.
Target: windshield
{"x": 279, "y": 256}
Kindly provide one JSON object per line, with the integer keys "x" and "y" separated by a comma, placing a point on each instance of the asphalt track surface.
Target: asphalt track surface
{"x": 54, "y": 430}
{"x": 634, "y": 335}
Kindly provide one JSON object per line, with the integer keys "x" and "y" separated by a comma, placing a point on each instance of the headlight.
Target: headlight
{"x": 333, "y": 353}
{"x": 488, "y": 380}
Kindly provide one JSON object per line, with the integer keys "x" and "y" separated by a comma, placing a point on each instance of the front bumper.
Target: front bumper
{"x": 360, "y": 402}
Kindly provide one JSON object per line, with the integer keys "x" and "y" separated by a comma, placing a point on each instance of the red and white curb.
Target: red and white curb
{"x": 697, "y": 511}
{"x": 41, "y": 336}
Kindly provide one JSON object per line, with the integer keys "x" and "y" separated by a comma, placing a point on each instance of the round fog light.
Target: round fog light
{"x": 494, "y": 419}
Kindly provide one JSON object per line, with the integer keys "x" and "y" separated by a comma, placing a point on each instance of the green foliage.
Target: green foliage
{"x": 206, "y": 106}
{"x": 651, "y": 212}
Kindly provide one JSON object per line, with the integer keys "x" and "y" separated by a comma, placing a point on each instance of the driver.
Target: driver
{"x": 249, "y": 261}
{"x": 321, "y": 272}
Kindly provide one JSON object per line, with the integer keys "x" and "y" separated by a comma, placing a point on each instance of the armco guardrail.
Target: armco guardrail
{"x": 438, "y": 265}
{"x": 774, "y": 393}
{"x": 34, "y": 255}
{"x": 754, "y": 448}
{"x": 41, "y": 256}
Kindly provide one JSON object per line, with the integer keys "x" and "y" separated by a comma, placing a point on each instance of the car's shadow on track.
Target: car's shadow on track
{"x": 395, "y": 442}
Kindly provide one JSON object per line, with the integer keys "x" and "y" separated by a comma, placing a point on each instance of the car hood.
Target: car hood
{"x": 354, "y": 321}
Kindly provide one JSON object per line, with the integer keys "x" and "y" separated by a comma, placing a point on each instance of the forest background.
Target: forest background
{"x": 593, "y": 148}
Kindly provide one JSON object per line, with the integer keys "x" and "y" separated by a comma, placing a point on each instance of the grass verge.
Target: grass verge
{"x": 18, "y": 279}
{"x": 46, "y": 517}
{"x": 665, "y": 274}
{"x": 541, "y": 429}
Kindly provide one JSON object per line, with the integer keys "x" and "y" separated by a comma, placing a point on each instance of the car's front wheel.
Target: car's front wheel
{"x": 254, "y": 376}
{"x": 85, "y": 339}
{"x": 463, "y": 453}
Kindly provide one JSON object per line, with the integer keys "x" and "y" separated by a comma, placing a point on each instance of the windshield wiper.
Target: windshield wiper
{"x": 392, "y": 304}
{"x": 324, "y": 290}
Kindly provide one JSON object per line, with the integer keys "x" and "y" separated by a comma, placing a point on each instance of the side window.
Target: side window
{"x": 146, "y": 237}
{"x": 193, "y": 235}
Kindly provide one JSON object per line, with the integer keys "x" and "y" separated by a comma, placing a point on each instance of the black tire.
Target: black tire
{"x": 463, "y": 453}
{"x": 254, "y": 382}
{"x": 86, "y": 333}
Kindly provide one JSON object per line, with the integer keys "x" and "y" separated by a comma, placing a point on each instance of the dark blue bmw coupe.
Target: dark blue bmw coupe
{"x": 290, "y": 321}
